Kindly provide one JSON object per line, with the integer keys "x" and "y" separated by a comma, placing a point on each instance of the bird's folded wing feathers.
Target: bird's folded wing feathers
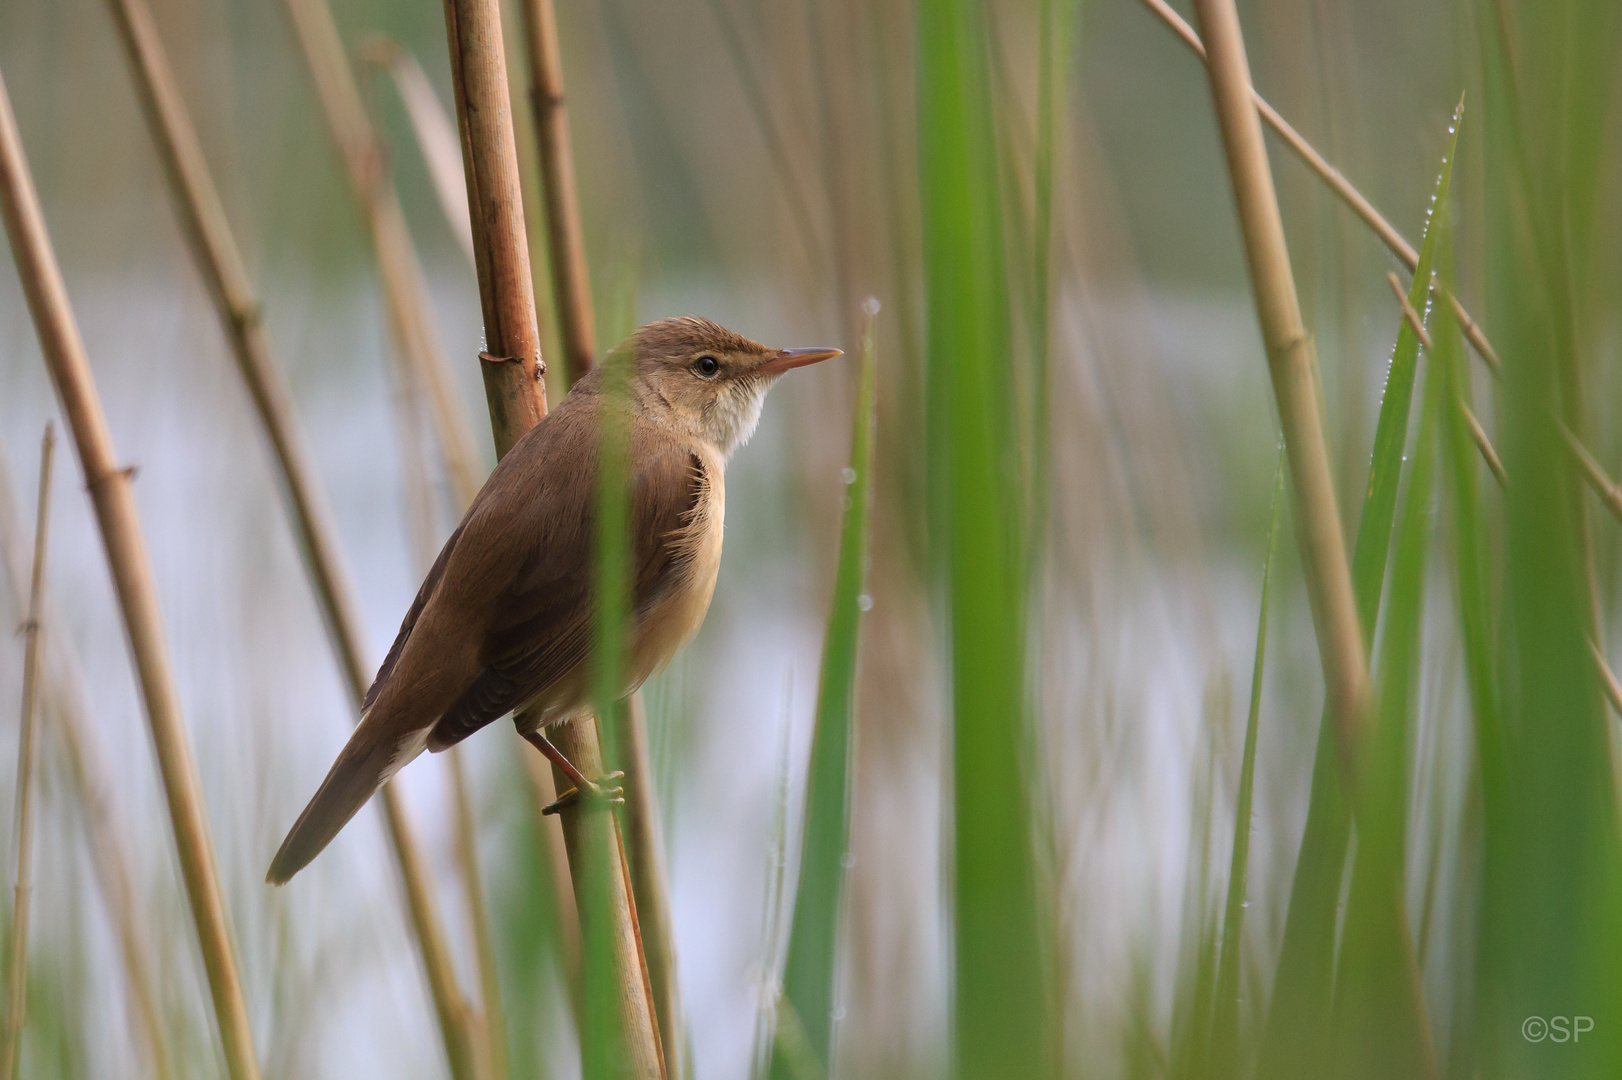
{"x": 542, "y": 624}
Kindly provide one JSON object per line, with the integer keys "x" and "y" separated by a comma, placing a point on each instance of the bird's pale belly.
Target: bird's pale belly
{"x": 673, "y": 622}
{"x": 665, "y": 627}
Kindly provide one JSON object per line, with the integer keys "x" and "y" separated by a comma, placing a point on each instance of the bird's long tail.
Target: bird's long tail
{"x": 369, "y": 758}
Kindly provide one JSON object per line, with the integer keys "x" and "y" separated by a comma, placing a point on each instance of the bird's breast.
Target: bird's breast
{"x": 672, "y": 622}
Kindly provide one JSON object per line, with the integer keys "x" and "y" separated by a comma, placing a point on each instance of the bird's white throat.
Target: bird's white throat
{"x": 736, "y": 413}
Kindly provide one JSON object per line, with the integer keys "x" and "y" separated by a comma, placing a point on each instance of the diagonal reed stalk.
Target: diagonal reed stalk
{"x": 571, "y": 289}
{"x": 1343, "y": 189}
{"x": 408, "y": 302}
{"x": 492, "y": 1024}
{"x": 405, "y": 292}
{"x": 432, "y": 126}
{"x": 119, "y": 522}
{"x": 220, "y": 263}
{"x": 63, "y": 697}
{"x": 517, "y": 399}
{"x": 1293, "y": 367}
{"x": 28, "y": 730}
{"x": 1299, "y": 1014}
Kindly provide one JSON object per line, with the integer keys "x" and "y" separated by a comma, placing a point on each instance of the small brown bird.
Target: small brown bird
{"x": 504, "y": 618}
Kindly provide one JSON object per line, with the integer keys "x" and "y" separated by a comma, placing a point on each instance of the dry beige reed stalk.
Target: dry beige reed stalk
{"x": 1606, "y": 489}
{"x": 517, "y": 399}
{"x": 27, "y": 754}
{"x": 493, "y": 1022}
{"x": 62, "y": 694}
{"x": 439, "y": 142}
{"x": 215, "y": 251}
{"x": 649, "y": 880}
{"x": 1343, "y": 188}
{"x": 1607, "y": 678}
{"x": 432, "y": 126}
{"x": 110, "y": 491}
{"x": 1416, "y": 322}
{"x": 1609, "y": 495}
{"x": 1293, "y": 368}
{"x": 571, "y": 288}
{"x": 566, "y": 237}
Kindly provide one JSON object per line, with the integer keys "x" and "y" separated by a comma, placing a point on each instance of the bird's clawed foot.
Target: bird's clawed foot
{"x": 595, "y": 795}
{"x": 590, "y": 793}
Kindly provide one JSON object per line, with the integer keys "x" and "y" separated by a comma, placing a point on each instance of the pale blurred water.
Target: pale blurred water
{"x": 267, "y": 712}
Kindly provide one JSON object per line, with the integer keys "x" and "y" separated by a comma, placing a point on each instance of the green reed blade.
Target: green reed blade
{"x": 1380, "y": 1030}
{"x": 1223, "y": 1060}
{"x": 1298, "y": 1015}
{"x": 999, "y": 1021}
{"x": 813, "y": 948}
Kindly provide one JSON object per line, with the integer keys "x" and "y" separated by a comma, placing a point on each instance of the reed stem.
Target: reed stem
{"x": 571, "y": 287}
{"x": 17, "y": 975}
{"x": 114, "y": 502}
{"x": 649, "y": 879}
{"x": 218, "y": 259}
{"x": 565, "y": 230}
{"x": 436, "y": 134}
{"x": 493, "y": 1023}
{"x": 1293, "y": 367}
{"x": 63, "y": 698}
{"x": 517, "y": 399}
{"x": 1394, "y": 241}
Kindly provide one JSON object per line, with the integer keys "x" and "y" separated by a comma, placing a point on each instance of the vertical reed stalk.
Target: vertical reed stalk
{"x": 220, "y": 263}
{"x": 565, "y": 230}
{"x": 514, "y": 389}
{"x": 114, "y": 503}
{"x": 441, "y": 149}
{"x": 644, "y": 840}
{"x": 17, "y": 975}
{"x": 517, "y": 400}
{"x": 1293, "y": 366}
{"x": 493, "y": 1023}
{"x": 62, "y": 694}
{"x": 571, "y": 287}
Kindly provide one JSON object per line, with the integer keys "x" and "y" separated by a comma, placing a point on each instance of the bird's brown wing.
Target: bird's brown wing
{"x": 542, "y": 625}
{"x": 429, "y": 584}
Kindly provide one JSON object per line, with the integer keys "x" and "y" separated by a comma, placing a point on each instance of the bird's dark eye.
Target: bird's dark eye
{"x": 707, "y": 366}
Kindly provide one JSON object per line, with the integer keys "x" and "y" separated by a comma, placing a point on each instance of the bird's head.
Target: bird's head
{"x": 703, "y": 380}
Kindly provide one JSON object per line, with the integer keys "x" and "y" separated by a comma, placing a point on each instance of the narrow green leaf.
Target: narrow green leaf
{"x": 1380, "y": 1027}
{"x": 1551, "y": 932}
{"x": 808, "y": 975}
{"x": 999, "y": 1016}
{"x": 1298, "y": 1015}
{"x": 600, "y": 1035}
{"x": 1223, "y": 1062}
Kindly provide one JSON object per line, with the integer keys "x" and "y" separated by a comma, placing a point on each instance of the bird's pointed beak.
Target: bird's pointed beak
{"x": 793, "y": 358}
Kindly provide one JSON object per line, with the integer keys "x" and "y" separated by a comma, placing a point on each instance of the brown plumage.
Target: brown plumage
{"x": 504, "y": 618}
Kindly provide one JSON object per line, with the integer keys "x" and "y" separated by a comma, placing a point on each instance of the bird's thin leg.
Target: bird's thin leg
{"x": 592, "y": 790}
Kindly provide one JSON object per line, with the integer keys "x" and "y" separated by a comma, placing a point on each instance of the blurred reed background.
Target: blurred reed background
{"x": 1073, "y": 498}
